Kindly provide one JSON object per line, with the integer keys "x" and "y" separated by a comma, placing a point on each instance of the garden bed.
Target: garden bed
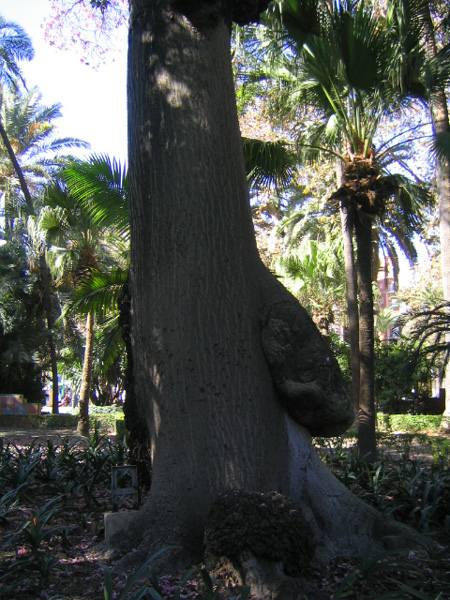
{"x": 62, "y": 489}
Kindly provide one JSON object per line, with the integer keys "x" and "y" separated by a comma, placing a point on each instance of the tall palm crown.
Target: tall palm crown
{"x": 30, "y": 129}
{"x": 343, "y": 74}
{"x": 15, "y": 45}
{"x": 344, "y": 63}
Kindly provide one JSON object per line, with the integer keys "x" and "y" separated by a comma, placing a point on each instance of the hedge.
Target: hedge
{"x": 411, "y": 423}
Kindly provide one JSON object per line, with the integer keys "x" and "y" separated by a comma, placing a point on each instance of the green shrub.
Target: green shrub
{"x": 49, "y": 421}
{"x": 413, "y": 423}
{"x": 395, "y": 378}
{"x": 414, "y": 490}
{"x": 106, "y": 415}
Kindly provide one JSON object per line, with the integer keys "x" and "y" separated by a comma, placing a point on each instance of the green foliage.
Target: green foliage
{"x": 394, "y": 378}
{"x": 429, "y": 325}
{"x": 268, "y": 163}
{"x": 60, "y": 421}
{"x": 70, "y": 475}
{"x": 392, "y": 568}
{"x": 107, "y": 416}
{"x": 341, "y": 351}
{"x": 315, "y": 275}
{"x": 415, "y": 423}
{"x": 15, "y": 45}
{"x": 22, "y": 331}
{"x": 22, "y": 464}
{"x": 414, "y": 490}
{"x": 35, "y": 531}
{"x": 107, "y": 419}
{"x": 8, "y": 503}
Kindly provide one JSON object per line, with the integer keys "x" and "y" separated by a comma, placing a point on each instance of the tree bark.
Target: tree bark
{"x": 230, "y": 373}
{"x": 86, "y": 379}
{"x": 352, "y": 300}
{"x": 48, "y": 307}
{"x": 367, "y": 443}
{"x": 441, "y": 125}
{"x": 17, "y": 169}
{"x": 137, "y": 438}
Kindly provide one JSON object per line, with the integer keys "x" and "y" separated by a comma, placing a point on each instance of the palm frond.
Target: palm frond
{"x": 268, "y": 163}
{"x": 99, "y": 293}
{"x": 100, "y": 185}
{"x": 429, "y": 335}
{"x": 440, "y": 146}
{"x": 15, "y": 45}
{"x": 110, "y": 342}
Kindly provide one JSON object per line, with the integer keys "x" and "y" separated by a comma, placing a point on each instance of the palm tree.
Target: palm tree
{"x": 340, "y": 62}
{"x": 83, "y": 246}
{"x": 15, "y": 45}
{"x": 315, "y": 275}
{"x": 31, "y": 134}
{"x": 30, "y": 128}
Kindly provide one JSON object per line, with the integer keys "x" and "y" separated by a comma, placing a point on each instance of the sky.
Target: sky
{"x": 93, "y": 100}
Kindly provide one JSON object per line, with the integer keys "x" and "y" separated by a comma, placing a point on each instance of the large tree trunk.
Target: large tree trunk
{"x": 137, "y": 438}
{"x": 230, "y": 373}
{"x": 86, "y": 378}
{"x": 441, "y": 125}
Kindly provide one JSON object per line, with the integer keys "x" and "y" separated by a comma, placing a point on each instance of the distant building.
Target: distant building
{"x": 387, "y": 283}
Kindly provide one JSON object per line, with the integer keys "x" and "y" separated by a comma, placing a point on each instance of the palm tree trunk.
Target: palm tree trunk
{"x": 351, "y": 286}
{"x": 46, "y": 284}
{"x": 86, "y": 380}
{"x": 352, "y": 300}
{"x": 367, "y": 445}
{"x": 17, "y": 169}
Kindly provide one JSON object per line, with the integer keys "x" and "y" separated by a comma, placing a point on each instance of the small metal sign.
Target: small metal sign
{"x": 124, "y": 483}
